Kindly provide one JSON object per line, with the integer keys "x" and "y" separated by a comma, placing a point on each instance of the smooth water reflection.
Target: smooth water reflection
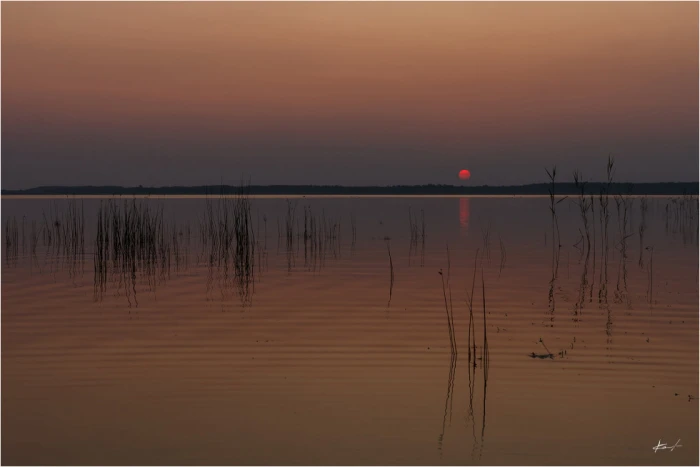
{"x": 314, "y": 331}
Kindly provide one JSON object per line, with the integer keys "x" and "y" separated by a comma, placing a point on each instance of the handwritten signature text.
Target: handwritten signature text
{"x": 666, "y": 446}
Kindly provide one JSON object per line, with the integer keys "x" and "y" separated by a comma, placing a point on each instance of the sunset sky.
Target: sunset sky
{"x": 346, "y": 93}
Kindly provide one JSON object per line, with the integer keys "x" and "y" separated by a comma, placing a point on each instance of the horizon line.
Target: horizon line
{"x": 559, "y": 188}
{"x": 588, "y": 182}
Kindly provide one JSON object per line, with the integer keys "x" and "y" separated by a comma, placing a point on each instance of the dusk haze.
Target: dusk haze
{"x": 346, "y": 93}
{"x": 350, "y": 233}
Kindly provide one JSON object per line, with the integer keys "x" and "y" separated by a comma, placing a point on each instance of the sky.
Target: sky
{"x": 161, "y": 93}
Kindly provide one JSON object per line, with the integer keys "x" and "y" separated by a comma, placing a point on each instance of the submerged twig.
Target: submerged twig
{"x": 391, "y": 274}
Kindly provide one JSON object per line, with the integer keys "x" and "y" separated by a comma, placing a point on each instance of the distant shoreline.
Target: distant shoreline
{"x": 593, "y": 188}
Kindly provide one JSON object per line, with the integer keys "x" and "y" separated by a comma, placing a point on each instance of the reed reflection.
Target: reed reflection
{"x": 417, "y": 232}
{"x": 680, "y": 215}
{"x": 478, "y": 359}
{"x": 317, "y": 234}
{"x": 448, "y": 399}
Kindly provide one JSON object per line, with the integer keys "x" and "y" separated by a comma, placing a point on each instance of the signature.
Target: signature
{"x": 666, "y": 446}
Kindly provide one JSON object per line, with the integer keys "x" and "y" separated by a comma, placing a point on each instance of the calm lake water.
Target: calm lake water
{"x": 302, "y": 349}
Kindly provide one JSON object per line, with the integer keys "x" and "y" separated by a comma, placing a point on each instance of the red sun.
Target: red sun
{"x": 464, "y": 174}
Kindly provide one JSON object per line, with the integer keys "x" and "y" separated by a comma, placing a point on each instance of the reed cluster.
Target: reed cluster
{"x": 486, "y": 237}
{"x": 416, "y": 234}
{"x": 448, "y": 306}
{"x": 584, "y": 204}
{"x": 650, "y": 276}
{"x": 130, "y": 240}
{"x": 624, "y": 205}
{"x": 353, "y": 228}
{"x": 643, "y": 208}
{"x": 391, "y": 274}
{"x": 63, "y": 232}
{"x": 11, "y": 240}
{"x": 604, "y": 200}
{"x": 229, "y": 240}
{"x": 553, "y": 202}
{"x": 681, "y": 218}
{"x": 319, "y": 235}
{"x": 63, "y": 235}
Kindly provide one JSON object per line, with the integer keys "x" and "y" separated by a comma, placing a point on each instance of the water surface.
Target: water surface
{"x": 312, "y": 354}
